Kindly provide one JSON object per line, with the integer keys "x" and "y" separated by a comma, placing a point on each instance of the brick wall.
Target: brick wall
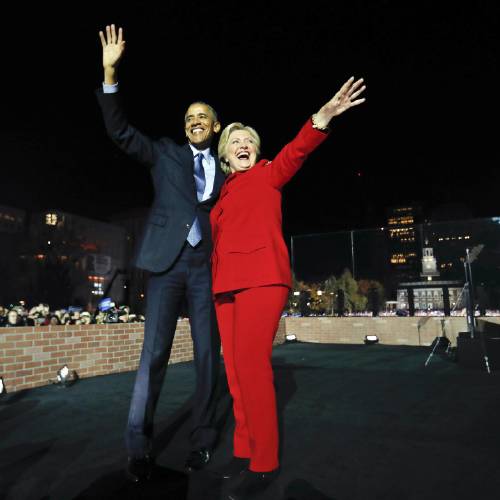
{"x": 29, "y": 356}
{"x": 281, "y": 333}
{"x": 390, "y": 330}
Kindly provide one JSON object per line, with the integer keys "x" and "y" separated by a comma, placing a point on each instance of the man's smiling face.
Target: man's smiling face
{"x": 200, "y": 125}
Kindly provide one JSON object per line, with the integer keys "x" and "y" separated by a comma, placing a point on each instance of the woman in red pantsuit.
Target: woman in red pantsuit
{"x": 252, "y": 278}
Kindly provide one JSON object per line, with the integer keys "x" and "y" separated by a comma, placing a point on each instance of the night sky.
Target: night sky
{"x": 427, "y": 132}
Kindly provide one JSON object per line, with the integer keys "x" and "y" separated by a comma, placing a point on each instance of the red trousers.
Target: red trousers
{"x": 248, "y": 320}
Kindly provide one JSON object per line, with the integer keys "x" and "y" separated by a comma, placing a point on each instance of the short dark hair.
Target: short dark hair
{"x": 212, "y": 110}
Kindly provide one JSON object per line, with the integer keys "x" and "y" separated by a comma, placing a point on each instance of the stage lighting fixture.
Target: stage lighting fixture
{"x": 65, "y": 376}
{"x": 3, "y": 390}
{"x": 291, "y": 338}
{"x": 371, "y": 339}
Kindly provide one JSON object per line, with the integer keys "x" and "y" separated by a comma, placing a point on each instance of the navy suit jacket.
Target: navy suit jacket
{"x": 175, "y": 203}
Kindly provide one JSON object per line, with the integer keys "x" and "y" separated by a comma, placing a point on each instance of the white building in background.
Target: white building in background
{"x": 429, "y": 264}
{"x": 429, "y": 294}
{"x": 428, "y": 297}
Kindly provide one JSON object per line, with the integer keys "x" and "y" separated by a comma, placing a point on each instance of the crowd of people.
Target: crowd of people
{"x": 16, "y": 315}
{"x": 19, "y": 315}
{"x": 403, "y": 312}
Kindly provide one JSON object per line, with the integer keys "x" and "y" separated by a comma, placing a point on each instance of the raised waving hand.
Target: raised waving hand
{"x": 344, "y": 99}
{"x": 113, "y": 47}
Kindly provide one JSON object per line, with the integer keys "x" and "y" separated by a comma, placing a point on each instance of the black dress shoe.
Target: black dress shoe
{"x": 234, "y": 468}
{"x": 252, "y": 484}
{"x": 198, "y": 459}
{"x": 139, "y": 470}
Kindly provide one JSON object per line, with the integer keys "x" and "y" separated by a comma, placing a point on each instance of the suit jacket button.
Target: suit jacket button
{"x": 187, "y": 225}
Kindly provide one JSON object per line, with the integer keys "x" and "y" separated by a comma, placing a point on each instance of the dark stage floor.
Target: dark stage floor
{"x": 357, "y": 422}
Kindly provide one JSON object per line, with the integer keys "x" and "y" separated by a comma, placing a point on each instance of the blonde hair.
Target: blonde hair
{"x": 224, "y": 140}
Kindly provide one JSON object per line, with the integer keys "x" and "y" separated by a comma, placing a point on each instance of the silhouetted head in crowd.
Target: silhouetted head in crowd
{"x": 13, "y": 318}
{"x": 54, "y": 320}
{"x": 65, "y": 318}
{"x": 85, "y": 318}
{"x": 123, "y": 314}
{"x": 75, "y": 318}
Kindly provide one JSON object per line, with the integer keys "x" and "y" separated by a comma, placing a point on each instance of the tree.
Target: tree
{"x": 374, "y": 293}
{"x": 294, "y": 302}
{"x": 329, "y": 286}
{"x": 354, "y": 301}
{"x": 336, "y": 295}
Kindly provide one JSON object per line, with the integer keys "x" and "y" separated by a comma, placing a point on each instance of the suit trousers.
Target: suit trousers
{"x": 188, "y": 279}
{"x": 248, "y": 320}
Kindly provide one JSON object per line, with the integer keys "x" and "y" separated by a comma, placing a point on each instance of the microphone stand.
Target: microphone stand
{"x": 469, "y": 297}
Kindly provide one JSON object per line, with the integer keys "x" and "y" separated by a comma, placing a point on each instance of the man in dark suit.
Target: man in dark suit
{"x": 176, "y": 249}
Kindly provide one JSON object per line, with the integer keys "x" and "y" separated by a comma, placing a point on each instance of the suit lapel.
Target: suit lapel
{"x": 219, "y": 178}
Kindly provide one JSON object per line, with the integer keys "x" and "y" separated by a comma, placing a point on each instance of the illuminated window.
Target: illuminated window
{"x": 7, "y": 217}
{"x": 97, "y": 284}
{"x": 51, "y": 219}
{"x": 96, "y": 278}
{"x": 98, "y": 289}
{"x": 398, "y": 259}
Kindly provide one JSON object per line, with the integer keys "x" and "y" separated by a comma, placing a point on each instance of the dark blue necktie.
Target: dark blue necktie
{"x": 194, "y": 236}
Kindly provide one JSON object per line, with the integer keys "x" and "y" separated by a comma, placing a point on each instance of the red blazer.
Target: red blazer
{"x": 249, "y": 250}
